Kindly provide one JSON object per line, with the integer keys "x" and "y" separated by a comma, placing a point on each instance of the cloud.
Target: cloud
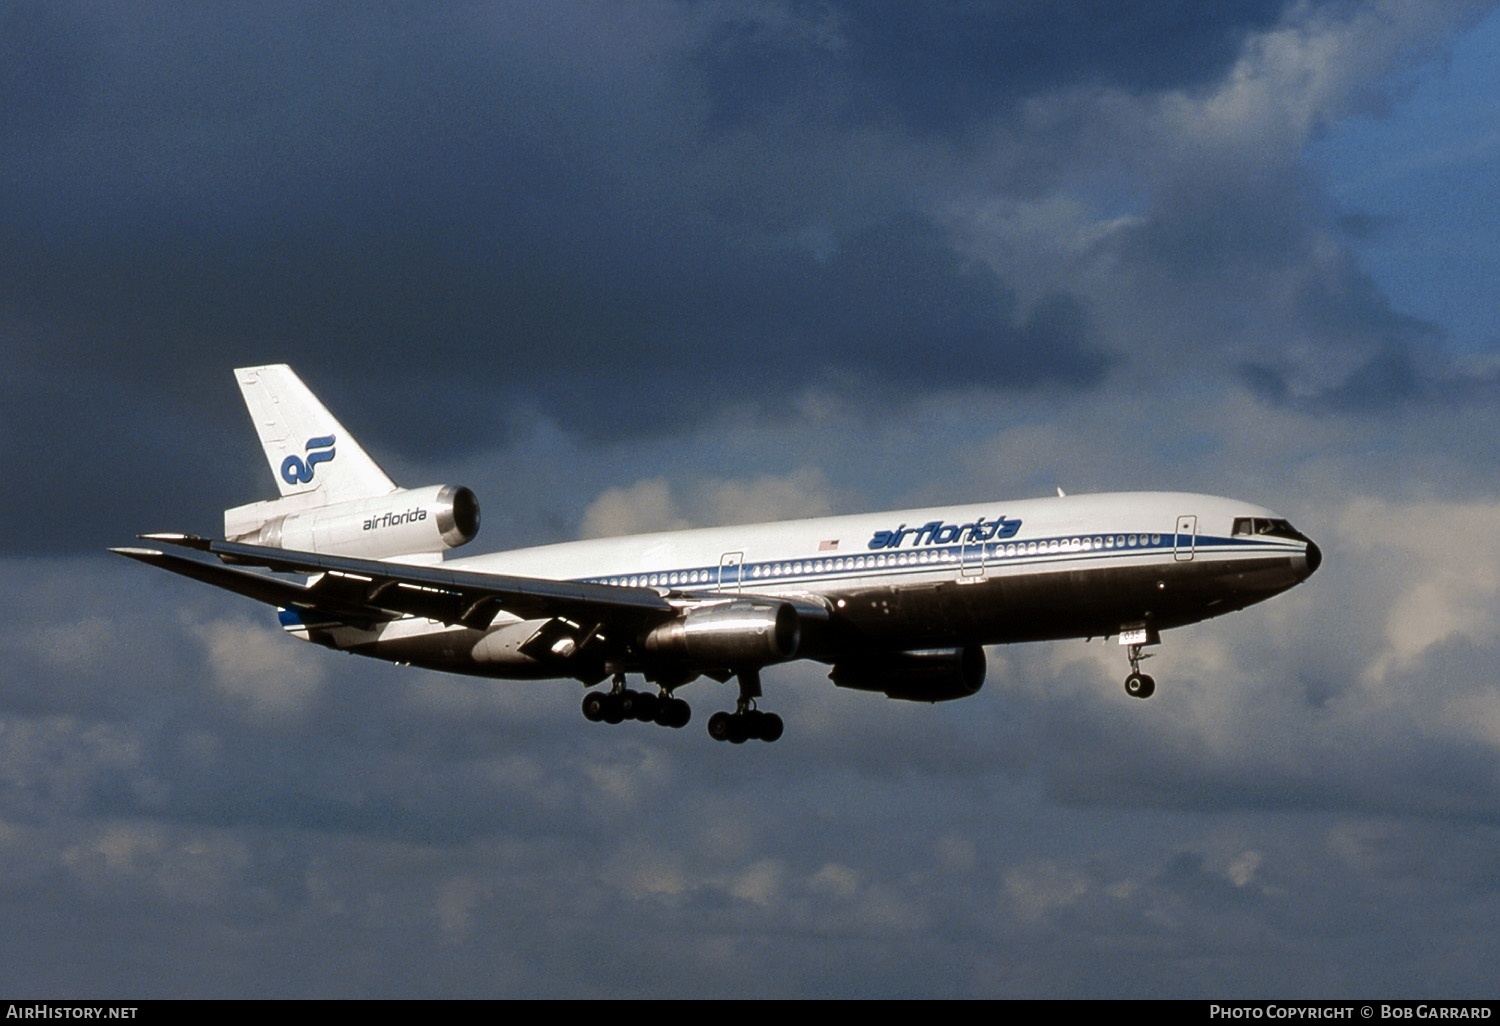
{"x": 945, "y": 67}
{"x": 642, "y": 507}
{"x": 272, "y": 682}
{"x": 649, "y": 506}
{"x": 587, "y": 240}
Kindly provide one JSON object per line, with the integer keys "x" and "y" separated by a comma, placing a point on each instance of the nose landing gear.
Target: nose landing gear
{"x": 1138, "y": 684}
{"x": 1135, "y": 637}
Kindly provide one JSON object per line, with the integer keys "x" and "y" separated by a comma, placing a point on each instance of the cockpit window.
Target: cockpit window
{"x": 1267, "y": 526}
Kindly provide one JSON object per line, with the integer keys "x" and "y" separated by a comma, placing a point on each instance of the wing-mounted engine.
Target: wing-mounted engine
{"x": 745, "y": 632}
{"x": 920, "y": 675}
{"x": 405, "y": 522}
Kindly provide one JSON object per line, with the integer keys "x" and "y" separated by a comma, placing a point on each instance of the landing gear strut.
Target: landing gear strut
{"x": 620, "y": 703}
{"x": 1138, "y": 684}
{"x": 747, "y": 722}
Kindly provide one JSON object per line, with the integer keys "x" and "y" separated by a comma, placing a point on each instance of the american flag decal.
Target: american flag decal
{"x": 828, "y": 546}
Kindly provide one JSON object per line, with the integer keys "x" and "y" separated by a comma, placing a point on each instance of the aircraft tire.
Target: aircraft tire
{"x": 593, "y": 706}
{"x": 1140, "y": 685}
{"x": 771, "y": 728}
{"x": 614, "y": 709}
{"x": 755, "y": 724}
{"x": 720, "y": 726}
{"x": 672, "y": 712}
{"x": 644, "y": 706}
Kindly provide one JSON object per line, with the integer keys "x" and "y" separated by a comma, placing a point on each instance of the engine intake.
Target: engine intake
{"x": 739, "y": 633}
{"x": 917, "y": 675}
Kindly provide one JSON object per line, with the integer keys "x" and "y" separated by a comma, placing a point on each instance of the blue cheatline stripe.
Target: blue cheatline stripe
{"x": 1069, "y": 548}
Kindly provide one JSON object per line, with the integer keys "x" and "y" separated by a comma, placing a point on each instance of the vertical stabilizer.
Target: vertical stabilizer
{"x": 334, "y": 498}
{"x": 310, "y": 453}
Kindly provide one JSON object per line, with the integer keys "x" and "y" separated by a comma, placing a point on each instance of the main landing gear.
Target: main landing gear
{"x": 746, "y": 723}
{"x": 620, "y": 703}
{"x": 1138, "y": 684}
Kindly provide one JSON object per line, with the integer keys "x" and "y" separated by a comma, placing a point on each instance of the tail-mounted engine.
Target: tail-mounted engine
{"x": 406, "y": 522}
{"x": 920, "y": 675}
{"x": 734, "y": 634}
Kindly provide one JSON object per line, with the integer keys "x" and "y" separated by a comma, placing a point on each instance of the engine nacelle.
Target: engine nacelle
{"x": 407, "y": 522}
{"x": 738, "y": 633}
{"x": 919, "y": 675}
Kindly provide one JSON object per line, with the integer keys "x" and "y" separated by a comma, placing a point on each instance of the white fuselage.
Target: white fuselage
{"x": 1070, "y": 566}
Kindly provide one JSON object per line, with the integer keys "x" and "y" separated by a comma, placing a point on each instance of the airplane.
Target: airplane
{"x": 899, "y": 603}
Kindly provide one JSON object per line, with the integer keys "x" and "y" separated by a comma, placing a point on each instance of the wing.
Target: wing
{"x": 363, "y": 592}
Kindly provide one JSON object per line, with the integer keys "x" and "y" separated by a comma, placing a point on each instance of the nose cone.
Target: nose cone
{"x": 1313, "y": 556}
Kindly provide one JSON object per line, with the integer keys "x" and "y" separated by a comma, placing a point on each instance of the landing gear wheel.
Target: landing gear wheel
{"x": 672, "y": 712}
{"x": 643, "y": 706}
{"x": 614, "y": 708}
{"x": 719, "y": 726}
{"x": 746, "y": 722}
{"x": 771, "y": 728}
{"x": 748, "y": 725}
{"x": 593, "y": 706}
{"x": 1140, "y": 685}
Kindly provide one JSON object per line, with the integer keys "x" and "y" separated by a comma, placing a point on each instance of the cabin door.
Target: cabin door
{"x": 730, "y": 564}
{"x": 1186, "y": 538}
{"x": 971, "y": 565}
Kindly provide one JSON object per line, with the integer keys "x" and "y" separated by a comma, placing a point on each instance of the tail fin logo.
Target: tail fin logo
{"x": 295, "y": 470}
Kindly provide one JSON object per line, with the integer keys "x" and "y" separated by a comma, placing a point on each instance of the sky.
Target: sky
{"x": 622, "y": 267}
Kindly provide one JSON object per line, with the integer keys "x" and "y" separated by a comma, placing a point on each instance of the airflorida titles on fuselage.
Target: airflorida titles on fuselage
{"x": 935, "y": 532}
{"x": 898, "y": 603}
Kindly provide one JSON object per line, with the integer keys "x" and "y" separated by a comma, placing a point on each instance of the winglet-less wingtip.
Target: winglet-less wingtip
{"x": 188, "y": 541}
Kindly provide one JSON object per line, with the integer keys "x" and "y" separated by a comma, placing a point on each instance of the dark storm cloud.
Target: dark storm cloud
{"x": 894, "y": 308}
{"x": 437, "y": 202}
{"x": 943, "y": 67}
{"x": 898, "y": 303}
{"x": 42, "y": 80}
{"x": 1260, "y": 254}
{"x": 1209, "y": 225}
{"x": 1399, "y": 361}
